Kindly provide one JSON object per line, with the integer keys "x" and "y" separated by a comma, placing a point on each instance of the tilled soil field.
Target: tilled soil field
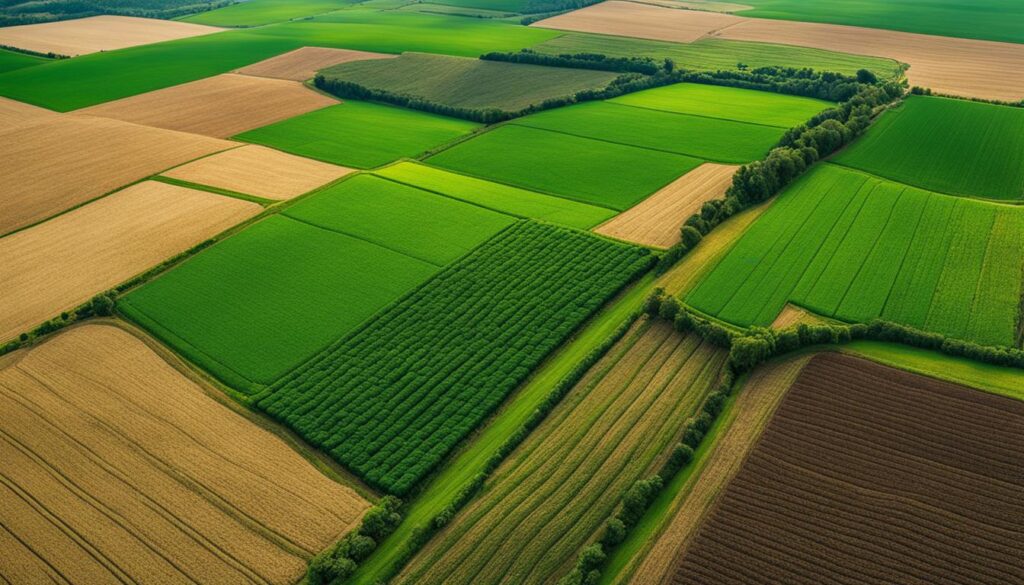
{"x": 868, "y": 474}
{"x": 81, "y": 36}
{"x": 302, "y": 64}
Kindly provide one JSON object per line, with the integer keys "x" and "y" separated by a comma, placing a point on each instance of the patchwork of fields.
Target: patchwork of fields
{"x": 554, "y": 493}
{"x": 392, "y": 399}
{"x": 847, "y": 245}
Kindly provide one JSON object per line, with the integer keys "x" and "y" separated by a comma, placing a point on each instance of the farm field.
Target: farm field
{"x": 656, "y": 220}
{"x": 61, "y": 263}
{"x": 854, "y": 247}
{"x": 469, "y": 83}
{"x": 98, "y": 33}
{"x": 11, "y": 61}
{"x": 554, "y": 493}
{"x": 857, "y": 467}
{"x": 436, "y": 349}
{"x": 615, "y": 176}
{"x": 411, "y": 221}
{"x": 260, "y": 12}
{"x": 260, "y": 171}
{"x": 13, "y": 113}
{"x": 81, "y": 158}
{"x": 219, "y": 106}
{"x": 362, "y": 134}
{"x": 496, "y": 196}
{"x": 711, "y": 54}
{"x": 946, "y": 145}
{"x": 105, "y": 479}
{"x": 302, "y": 64}
{"x": 957, "y": 66}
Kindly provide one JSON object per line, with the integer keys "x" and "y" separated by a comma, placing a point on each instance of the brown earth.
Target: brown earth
{"x": 793, "y": 315}
{"x": 219, "y": 106}
{"x": 754, "y": 405}
{"x": 61, "y": 263}
{"x": 967, "y": 67}
{"x": 868, "y": 474}
{"x": 302, "y": 64}
{"x": 553, "y": 494}
{"x": 14, "y": 112}
{"x": 260, "y": 171}
{"x": 114, "y": 467}
{"x": 56, "y": 162}
{"x": 98, "y": 33}
{"x": 656, "y": 220}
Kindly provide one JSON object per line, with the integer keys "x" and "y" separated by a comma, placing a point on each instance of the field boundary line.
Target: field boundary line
{"x": 607, "y": 141}
{"x": 452, "y": 197}
{"x": 1017, "y": 203}
{"x": 706, "y": 117}
{"x": 262, "y": 201}
{"x": 903, "y": 261}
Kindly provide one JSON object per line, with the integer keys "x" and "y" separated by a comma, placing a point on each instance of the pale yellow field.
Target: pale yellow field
{"x": 302, "y": 64}
{"x": 219, "y": 106}
{"x": 14, "y": 112}
{"x": 260, "y": 171}
{"x": 949, "y": 65}
{"x": 56, "y": 162}
{"x": 793, "y": 315}
{"x": 116, "y": 468}
{"x": 757, "y": 400}
{"x": 657, "y": 219}
{"x": 98, "y": 33}
{"x": 58, "y": 264}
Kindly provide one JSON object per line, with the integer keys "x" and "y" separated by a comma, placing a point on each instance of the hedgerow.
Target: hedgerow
{"x": 392, "y": 399}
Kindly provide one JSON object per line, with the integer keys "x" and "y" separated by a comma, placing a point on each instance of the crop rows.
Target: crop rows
{"x": 871, "y": 475}
{"x": 555, "y": 492}
{"x": 391, "y": 400}
{"x": 847, "y": 245}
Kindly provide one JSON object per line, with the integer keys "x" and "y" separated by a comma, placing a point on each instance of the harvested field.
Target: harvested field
{"x": 869, "y": 474}
{"x": 97, "y": 33}
{"x": 656, "y": 220}
{"x": 260, "y": 171}
{"x": 957, "y": 66}
{"x": 14, "y": 112}
{"x": 554, "y": 493}
{"x": 219, "y": 106}
{"x": 793, "y": 315}
{"x": 104, "y": 480}
{"x": 743, "y": 424}
{"x": 302, "y": 64}
{"x": 59, "y": 264}
{"x": 56, "y": 162}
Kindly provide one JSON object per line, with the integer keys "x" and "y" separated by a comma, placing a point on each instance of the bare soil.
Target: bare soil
{"x": 868, "y": 474}
{"x": 219, "y": 106}
{"x": 302, "y": 64}
{"x": 645, "y": 21}
{"x": 260, "y": 171}
{"x": 98, "y": 33}
{"x": 116, "y": 468}
{"x": 61, "y": 263}
{"x": 656, "y": 220}
{"x": 793, "y": 315}
{"x": 14, "y": 112}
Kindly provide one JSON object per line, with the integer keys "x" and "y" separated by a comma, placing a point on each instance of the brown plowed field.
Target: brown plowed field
{"x": 56, "y": 162}
{"x": 260, "y": 171}
{"x": 555, "y": 492}
{"x": 114, "y": 467}
{"x": 98, "y": 33}
{"x": 957, "y": 66}
{"x": 757, "y": 400}
{"x": 219, "y": 106}
{"x": 302, "y": 64}
{"x": 14, "y": 112}
{"x": 61, "y": 263}
{"x": 868, "y": 474}
{"x": 656, "y": 220}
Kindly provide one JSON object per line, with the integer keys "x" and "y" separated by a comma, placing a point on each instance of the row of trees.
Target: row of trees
{"x": 594, "y": 61}
{"x": 337, "y": 563}
{"x": 14, "y": 12}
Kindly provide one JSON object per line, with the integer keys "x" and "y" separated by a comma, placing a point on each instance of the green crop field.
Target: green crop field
{"x": 953, "y": 146}
{"x": 993, "y": 20}
{"x": 697, "y": 136}
{"x": 391, "y": 400}
{"x": 405, "y": 219}
{"x": 711, "y": 54}
{"x": 260, "y": 12}
{"x": 359, "y": 134}
{"x": 611, "y": 175}
{"x": 505, "y": 5}
{"x": 469, "y": 83}
{"x": 553, "y": 494}
{"x": 728, "y": 103}
{"x": 496, "y": 196}
{"x": 11, "y": 61}
{"x": 847, "y": 245}
{"x": 257, "y": 304}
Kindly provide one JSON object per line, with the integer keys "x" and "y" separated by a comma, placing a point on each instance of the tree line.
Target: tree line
{"x": 15, "y": 12}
